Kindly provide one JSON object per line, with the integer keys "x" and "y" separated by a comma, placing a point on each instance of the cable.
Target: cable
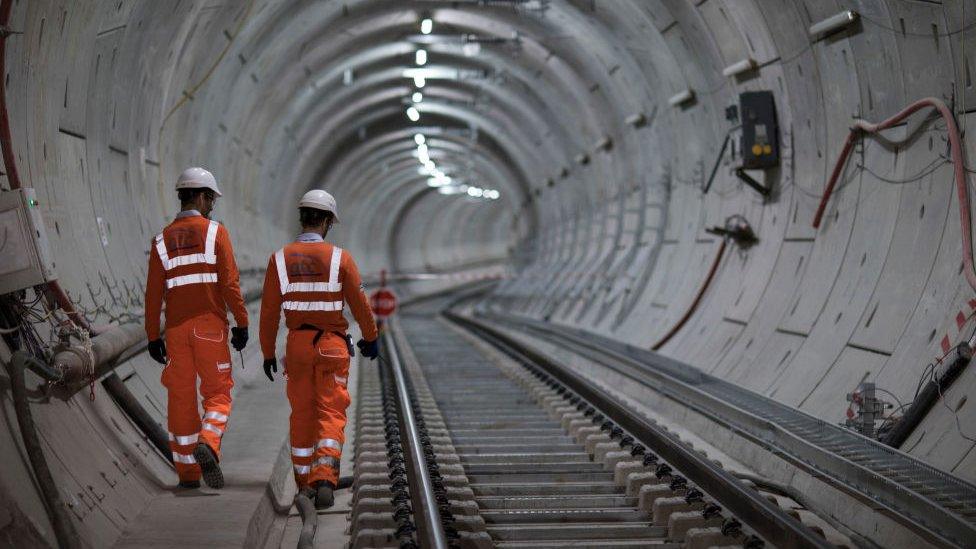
{"x": 955, "y": 414}
{"x": 188, "y": 93}
{"x": 861, "y": 127}
{"x": 919, "y": 34}
{"x": 889, "y": 393}
{"x": 698, "y": 297}
{"x": 927, "y": 170}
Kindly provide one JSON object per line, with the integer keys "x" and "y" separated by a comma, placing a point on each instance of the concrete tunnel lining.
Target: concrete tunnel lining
{"x": 616, "y": 245}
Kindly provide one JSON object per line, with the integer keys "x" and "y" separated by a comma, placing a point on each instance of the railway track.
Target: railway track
{"x": 535, "y": 485}
{"x": 520, "y": 455}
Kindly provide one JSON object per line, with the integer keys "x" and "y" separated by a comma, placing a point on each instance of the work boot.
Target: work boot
{"x": 189, "y": 484}
{"x": 207, "y": 460}
{"x": 324, "y": 497}
{"x": 307, "y": 492}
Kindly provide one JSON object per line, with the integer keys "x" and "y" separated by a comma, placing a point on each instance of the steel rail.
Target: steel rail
{"x": 803, "y": 440}
{"x": 764, "y": 517}
{"x": 430, "y": 528}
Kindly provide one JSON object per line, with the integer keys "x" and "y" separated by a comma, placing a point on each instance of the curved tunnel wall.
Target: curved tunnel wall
{"x": 601, "y": 220}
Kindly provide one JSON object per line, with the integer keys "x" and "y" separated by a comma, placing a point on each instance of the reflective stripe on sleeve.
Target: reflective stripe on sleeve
{"x": 215, "y": 415}
{"x": 201, "y": 278}
{"x": 326, "y": 461}
{"x": 302, "y": 452}
{"x": 187, "y": 459}
{"x": 312, "y": 305}
{"x": 303, "y": 469}
{"x": 329, "y": 443}
{"x": 213, "y": 428}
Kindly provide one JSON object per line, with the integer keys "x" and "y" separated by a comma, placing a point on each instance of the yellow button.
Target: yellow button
{"x": 757, "y": 149}
{"x": 768, "y": 149}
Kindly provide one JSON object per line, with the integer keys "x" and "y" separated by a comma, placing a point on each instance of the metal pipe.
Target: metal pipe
{"x": 425, "y": 503}
{"x": 109, "y": 349}
{"x": 117, "y": 389}
{"x": 927, "y": 398}
{"x": 64, "y": 529}
{"x": 80, "y": 365}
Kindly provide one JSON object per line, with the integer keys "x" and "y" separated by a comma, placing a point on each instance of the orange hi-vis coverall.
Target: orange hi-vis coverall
{"x": 310, "y": 279}
{"x": 192, "y": 267}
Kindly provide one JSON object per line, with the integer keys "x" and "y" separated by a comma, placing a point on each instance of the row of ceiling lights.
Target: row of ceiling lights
{"x": 436, "y": 177}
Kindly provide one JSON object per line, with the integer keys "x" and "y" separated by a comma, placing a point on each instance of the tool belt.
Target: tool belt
{"x": 318, "y": 335}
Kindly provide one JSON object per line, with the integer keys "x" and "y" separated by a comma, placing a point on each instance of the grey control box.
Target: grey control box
{"x": 25, "y": 253}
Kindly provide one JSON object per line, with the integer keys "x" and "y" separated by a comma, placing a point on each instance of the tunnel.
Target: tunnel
{"x": 720, "y": 251}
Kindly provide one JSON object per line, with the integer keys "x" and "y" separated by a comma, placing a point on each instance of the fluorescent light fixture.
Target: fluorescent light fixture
{"x": 427, "y": 26}
{"x": 636, "y": 120}
{"x": 413, "y": 114}
{"x": 453, "y": 189}
{"x": 582, "y": 159}
{"x": 604, "y": 144}
{"x": 471, "y": 49}
{"x": 417, "y": 97}
{"x": 834, "y": 23}
{"x": 682, "y": 97}
{"x": 739, "y": 67}
{"x": 422, "y": 154}
{"x": 347, "y": 77}
{"x": 419, "y": 138}
{"x": 421, "y": 57}
{"x": 438, "y": 181}
{"x": 475, "y": 192}
{"x": 419, "y": 81}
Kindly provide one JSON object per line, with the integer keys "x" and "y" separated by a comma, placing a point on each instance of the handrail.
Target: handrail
{"x": 426, "y": 512}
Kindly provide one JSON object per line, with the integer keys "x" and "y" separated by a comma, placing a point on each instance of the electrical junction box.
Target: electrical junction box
{"x": 760, "y": 133}
{"x": 25, "y": 254}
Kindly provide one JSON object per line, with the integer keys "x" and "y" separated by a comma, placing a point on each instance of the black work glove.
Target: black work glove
{"x": 157, "y": 350}
{"x": 238, "y": 338}
{"x": 369, "y": 349}
{"x": 269, "y": 365}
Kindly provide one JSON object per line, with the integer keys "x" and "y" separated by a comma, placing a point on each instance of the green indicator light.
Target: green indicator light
{"x": 32, "y": 202}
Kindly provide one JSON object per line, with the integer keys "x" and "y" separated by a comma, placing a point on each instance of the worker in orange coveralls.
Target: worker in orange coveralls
{"x": 191, "y": 265}
{"x": 310, "y": 279}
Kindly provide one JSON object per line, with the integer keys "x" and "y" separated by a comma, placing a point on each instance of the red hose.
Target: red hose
{"x": 6, "y": 145}
{"x": 694, "y": 304}
{"x": 959, "y": 169}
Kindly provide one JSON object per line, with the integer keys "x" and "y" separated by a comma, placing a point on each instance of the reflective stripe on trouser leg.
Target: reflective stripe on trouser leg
{"x": 182, "y": 418}
{"x": 210, "y": 351}
{"x": 300, "y": 423}
{"x": 332, "y": 399}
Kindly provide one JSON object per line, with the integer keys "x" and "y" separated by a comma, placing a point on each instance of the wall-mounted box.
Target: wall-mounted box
{"x": 760, "y": 132}
{"x": 25, "y": 254}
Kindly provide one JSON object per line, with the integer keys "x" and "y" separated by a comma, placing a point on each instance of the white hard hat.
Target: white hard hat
{"x": 320, "y": 200}
{"x": 197, "y": 178}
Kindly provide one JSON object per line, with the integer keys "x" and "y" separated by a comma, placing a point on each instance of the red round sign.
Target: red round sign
{"x": 383, "y": 302}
